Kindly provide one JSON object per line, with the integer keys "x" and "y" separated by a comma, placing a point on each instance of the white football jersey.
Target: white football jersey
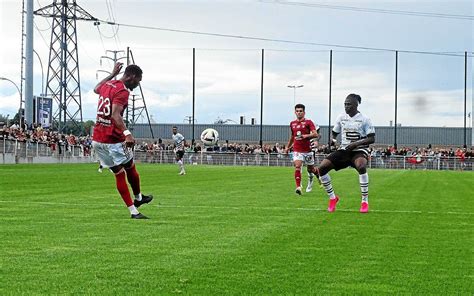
{"x": 353, "y": 129}
{"x": 178, "y": 141}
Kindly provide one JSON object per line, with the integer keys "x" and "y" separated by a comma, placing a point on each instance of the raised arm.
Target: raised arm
{"x": 115, "y": 72}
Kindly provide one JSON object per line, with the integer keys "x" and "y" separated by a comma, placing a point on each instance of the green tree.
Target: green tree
{"x": 88, "y": 126}
{"x": 4, "y": 119}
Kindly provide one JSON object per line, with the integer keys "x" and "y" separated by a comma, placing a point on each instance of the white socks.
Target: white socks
{"x": 364, "y": 187}
{"x": 181, "y": 165}
{"x": 138, "y": 197}
{"x": 133, "y": 210}
{"x": 326, "y": 181}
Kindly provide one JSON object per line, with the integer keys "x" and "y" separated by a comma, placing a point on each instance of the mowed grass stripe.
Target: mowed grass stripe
{"x": 233, "y": 230}
{"x": 68, "y": 204}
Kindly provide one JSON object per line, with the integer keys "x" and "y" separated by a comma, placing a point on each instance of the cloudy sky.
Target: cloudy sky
{"x": 430, "y": 89}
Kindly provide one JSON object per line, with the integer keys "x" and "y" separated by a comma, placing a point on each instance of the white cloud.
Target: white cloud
{"x": 228, "y": 81}
{"x": 157, "y": 101}
{"x": 10, "y": 103}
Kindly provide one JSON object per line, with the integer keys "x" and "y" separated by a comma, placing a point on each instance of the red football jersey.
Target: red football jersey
{"x": 105, "y": 130}
{"x": 299, "y": 128}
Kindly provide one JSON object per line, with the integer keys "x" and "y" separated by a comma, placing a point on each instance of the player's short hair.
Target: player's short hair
{"x": 300, "y": 106}
{"x": 133, "y": 70}
{"x": 354, "y": 96}
{"x": 175, "y": 127}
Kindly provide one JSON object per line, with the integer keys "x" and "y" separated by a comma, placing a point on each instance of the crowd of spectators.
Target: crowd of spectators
{"x": 62, "y": 143}
{"x": 426, "y": 157}
{"x": 221, "y": 148}
{"x": 428, "y": 151}
{"x": 381, "y": 157}
{"x": 56, "y": 142}
{"x": 376, "y": 151}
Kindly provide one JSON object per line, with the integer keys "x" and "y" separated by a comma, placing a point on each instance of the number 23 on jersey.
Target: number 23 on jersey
{"x": 104, "y": 107}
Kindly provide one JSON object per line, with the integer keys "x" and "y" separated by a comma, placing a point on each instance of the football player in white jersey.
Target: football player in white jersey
{"x": 179, "y": 143}
{"x": 357, "y": 133}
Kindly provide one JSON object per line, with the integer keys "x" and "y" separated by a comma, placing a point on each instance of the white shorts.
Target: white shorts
{"x": 111, "y": 155}
{"x": 307, "y": 158}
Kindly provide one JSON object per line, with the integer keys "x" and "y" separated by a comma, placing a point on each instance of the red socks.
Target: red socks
{"x": 122, "y": 187}
{"x": 298, "y": 177}
{"x": 133, "y": 179}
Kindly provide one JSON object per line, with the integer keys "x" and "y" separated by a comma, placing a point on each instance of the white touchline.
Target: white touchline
{"x": 243, "y": 208}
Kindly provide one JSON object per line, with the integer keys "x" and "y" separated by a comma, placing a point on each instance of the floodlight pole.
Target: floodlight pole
{"x": 465, "y": 99}
{"x": 396, "y": 99}
{"x": 330, "y": 98}
{"x": 261, "y": 101}
{"x": 194, "y": 92}
{"x": 294, "y": 87}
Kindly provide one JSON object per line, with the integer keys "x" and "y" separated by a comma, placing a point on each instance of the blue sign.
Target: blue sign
{"x": 44, "y": 111}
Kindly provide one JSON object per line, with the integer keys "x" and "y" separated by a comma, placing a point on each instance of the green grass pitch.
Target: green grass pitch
{"x": 234, "y": 230}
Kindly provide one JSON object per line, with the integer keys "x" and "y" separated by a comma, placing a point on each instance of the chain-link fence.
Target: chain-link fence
{"x": 276, "y": 159}
{"x": 14, "y": 151}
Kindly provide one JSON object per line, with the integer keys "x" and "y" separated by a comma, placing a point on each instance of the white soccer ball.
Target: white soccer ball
{"x": 209, "y": 137}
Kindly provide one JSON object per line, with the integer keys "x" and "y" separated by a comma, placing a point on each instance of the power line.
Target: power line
{"x": 112, "y": 8}
{"x": 41, "y": 34}
{"x": 458, "y": 53}
{"x": 275, "y": 40}
{"x": 42, "y": 30}
{"x": 112, "y": 17}
{"x": 47, "y": 43}
{"x": 373, "y": 10}
{"x": 49, "y": 24}
{"x": 106, "y": 36}
{"x": 100, "y": 35}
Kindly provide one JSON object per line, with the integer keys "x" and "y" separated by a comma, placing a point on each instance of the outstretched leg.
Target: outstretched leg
{"x": 323, "y": 170}
{"x": 122, "y": 188}
{"x": 134, "y": 180}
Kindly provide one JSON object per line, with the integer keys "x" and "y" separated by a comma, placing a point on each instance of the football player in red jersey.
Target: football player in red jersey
{"x": 112, "y": 140}
{"x": 302, "y": 131}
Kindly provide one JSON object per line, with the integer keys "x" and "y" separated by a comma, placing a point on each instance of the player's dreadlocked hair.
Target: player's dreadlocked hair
{"x": 132, "y": 70}
{"x": 354, "y": 96}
